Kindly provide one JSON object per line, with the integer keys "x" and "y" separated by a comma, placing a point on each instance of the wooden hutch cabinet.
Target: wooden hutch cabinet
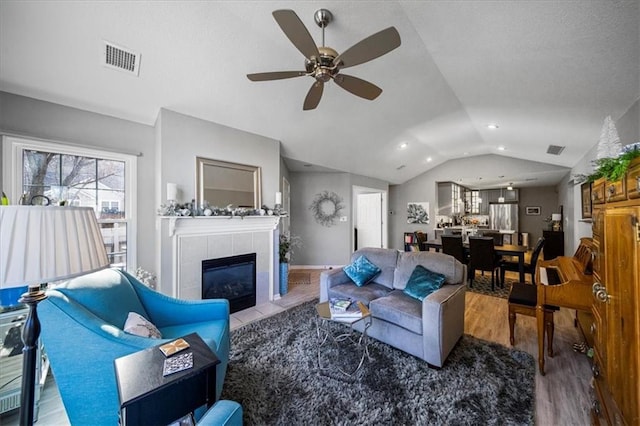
{"x": 616, "y": 295}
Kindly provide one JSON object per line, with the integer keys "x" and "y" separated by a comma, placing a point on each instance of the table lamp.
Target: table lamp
{"x": 41, "y": 244}
{"x": 556, "y": 218}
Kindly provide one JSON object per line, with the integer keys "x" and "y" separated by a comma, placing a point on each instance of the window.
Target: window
{"x": 47, "y": 172}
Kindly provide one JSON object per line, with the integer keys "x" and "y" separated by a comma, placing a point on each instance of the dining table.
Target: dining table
{"x": 503, "y": 250}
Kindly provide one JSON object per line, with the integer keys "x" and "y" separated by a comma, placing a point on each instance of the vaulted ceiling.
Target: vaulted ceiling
{"x": 546, "y": 72}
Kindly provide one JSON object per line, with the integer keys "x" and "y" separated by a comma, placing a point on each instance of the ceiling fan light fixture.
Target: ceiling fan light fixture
{"x": 324, "y": 63}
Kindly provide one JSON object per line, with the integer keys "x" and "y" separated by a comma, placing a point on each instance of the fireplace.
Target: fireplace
{"x": 232, "y": 278}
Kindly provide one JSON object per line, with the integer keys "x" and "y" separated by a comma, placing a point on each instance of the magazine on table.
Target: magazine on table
{"x": 352, "y": 311}
{"x": 338, "y": 304}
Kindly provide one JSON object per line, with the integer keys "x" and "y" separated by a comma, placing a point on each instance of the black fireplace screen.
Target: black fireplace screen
{"x": 232, "y": 278}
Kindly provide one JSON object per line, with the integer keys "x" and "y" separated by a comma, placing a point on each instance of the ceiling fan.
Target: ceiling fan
{"x": 324, "y": 63}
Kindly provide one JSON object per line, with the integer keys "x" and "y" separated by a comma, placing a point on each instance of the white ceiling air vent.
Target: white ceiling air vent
{"x": 555, "y": 149}
{"x": 120, "y": 58}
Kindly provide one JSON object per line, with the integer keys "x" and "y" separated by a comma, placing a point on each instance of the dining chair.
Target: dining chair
{"x": 483, "y": 257}
{"x": 498, "y": 238}
{"x": 452, "y": 245}
{"x": 420, "y": 239}
{"x": 529, "y": 267}
{"x": 523, "y": 299}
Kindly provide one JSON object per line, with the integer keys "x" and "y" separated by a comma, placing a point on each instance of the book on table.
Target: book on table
{"x": 337, "y": 304}
{"x": 352, "y": 312}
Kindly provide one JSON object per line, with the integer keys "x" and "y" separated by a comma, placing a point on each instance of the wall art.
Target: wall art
{"x": 418, "y": 212}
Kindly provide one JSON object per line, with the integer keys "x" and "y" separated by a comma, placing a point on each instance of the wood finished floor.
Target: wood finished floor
{"x": 562, "y": 395}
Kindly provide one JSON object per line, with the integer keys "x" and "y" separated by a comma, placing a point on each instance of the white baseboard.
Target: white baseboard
{"x": 314, "y": 266}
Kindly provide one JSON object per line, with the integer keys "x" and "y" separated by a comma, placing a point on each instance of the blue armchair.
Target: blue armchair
{"x": 82, "y": 331}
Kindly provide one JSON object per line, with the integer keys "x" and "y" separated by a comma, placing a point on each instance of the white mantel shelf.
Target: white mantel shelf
{"x": 220, "y": 224}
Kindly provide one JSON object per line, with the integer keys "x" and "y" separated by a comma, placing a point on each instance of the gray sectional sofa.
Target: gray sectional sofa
{"x": 427, "y": 329}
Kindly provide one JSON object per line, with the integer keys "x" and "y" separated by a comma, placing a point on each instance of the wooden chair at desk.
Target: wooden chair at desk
{"x": 523, "y": 299}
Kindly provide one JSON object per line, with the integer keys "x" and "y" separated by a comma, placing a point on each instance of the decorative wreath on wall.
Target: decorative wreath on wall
{"x": 326, "y": 207}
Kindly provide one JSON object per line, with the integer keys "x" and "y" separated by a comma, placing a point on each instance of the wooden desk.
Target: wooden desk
{"x": 148, "y": 397}
{"x": 504, "y": 250}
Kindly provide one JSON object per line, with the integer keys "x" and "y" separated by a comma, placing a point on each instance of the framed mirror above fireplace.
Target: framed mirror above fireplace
{"x": 221, "y": 183}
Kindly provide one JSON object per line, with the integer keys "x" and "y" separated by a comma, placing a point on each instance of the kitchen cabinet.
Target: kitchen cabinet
{"x": 450, "y": 199}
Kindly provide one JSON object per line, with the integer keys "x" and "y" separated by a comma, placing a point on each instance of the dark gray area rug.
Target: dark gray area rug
{"x": 482, "y": 285}
{"x": 273, "y": 372}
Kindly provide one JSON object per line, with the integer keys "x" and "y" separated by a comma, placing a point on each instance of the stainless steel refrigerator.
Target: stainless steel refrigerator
{"x": 503, "y": 216}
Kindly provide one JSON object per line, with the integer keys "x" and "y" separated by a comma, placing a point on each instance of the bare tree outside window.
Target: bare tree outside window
{"x": 81, "y": 181}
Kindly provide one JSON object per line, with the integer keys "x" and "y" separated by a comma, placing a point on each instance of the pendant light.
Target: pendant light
{"x": 501, "y": 198}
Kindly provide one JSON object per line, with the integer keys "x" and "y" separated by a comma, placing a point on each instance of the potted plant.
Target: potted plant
{"x": 287, "y": 243}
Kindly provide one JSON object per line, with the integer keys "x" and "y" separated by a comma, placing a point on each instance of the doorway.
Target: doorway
{"x": 370, "y": 229}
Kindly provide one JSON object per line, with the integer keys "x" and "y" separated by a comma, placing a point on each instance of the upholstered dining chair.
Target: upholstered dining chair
{"x": 452, "y": 245}
{"x": 529, "y": 267}
{"x": 523, "y": 300}
{"x": 482, "y": 257}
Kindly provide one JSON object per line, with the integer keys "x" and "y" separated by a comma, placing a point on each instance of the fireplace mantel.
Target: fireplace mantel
{"x": 225, "y": 224}
{"x": 184, "y": 242}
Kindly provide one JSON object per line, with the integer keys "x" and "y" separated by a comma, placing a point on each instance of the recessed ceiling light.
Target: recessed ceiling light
{"x": 492, "y": 126}
{"x": 403, "y": 145}
{"x": 501, "y": 148}
{"x": 429, "y": 159}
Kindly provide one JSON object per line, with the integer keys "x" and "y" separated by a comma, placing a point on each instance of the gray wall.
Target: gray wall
{"x": 39, "y": 119}
{"x": 181, "y": 138}
{"x": 325, "y": 246}
{"x": 168, "y": 151}
{"x": 321, "y": 245}
{"x": 547, "y": 198}
{"x": 424, "y": 188}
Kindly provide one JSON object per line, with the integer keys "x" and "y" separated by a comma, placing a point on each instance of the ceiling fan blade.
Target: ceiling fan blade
{"x": 358, "y": 86}
{"x": 370, "y": 48}
{"x": 276, "y": 75}
{"x": 313, "y": 97}
{"x": 295, "y": 30}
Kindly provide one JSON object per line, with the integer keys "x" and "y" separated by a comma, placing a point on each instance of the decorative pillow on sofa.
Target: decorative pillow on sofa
{"x": 140, "y": 326}
{"x": 423, "y": 282}
{"x": 361, "y": 271}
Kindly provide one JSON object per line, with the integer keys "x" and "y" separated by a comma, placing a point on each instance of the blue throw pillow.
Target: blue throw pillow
{"x": 361, "y": 271}
{"x": 423, "y": 282}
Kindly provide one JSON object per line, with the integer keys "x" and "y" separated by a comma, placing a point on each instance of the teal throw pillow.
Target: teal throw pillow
{"x": 361, "y": 271}
{"x": 423, "y": 282}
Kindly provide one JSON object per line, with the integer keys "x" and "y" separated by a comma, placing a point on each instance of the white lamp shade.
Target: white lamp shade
{"x": 40, "y": 244}
{"x": 557, "y": 217}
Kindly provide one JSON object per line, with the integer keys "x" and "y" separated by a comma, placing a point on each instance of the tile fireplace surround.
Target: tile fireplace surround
{"x": 186, "y": 241}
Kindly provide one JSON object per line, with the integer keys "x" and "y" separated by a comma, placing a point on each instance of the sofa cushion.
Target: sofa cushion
{"x": 364, "y": 294}
{"x": 399, "y": 309}
{"x": 361, "y": 271}
{"x": 107, "y": 294}
{"x": 436, "y": 262}
{"x": 423, "y": 282}
{"x": 385, "y": 259}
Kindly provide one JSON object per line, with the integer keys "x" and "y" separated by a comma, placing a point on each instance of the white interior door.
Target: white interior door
{"x": 369, "y": 220}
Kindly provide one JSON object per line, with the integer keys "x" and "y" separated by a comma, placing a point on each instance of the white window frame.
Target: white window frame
{"x": 12, "y": 177}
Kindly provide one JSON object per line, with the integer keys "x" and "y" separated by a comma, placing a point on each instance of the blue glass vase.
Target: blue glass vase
{"x": 284, "y": 278}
